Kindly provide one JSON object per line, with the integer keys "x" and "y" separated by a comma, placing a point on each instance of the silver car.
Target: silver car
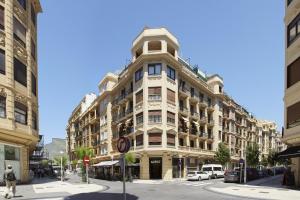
{"x": 197, "y": 176}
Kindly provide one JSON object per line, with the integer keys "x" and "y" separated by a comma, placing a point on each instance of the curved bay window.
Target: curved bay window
{"x": 20, "y": 113}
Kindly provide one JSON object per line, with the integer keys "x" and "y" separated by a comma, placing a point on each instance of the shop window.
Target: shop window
{"x": 11, "y": 153}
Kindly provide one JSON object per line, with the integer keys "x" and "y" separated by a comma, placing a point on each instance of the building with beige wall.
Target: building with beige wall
{"x": 18, "y": 84}
{"x": 292, "y": 85}
{"x": 174, "y": 115}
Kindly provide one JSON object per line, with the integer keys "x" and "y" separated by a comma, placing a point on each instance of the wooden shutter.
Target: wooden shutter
{"x": 293, "y": 73}
{"x": 171, "y": 115}
{"x": 139, "y": 96}
{"x": 154, "y": 112}
{"x": 154, "y": 90}
{"x": 171, "y": 95}
{"x": 170, "y": 138}
{"x": 154, "y": 137}
{"x": 293, "y": 113}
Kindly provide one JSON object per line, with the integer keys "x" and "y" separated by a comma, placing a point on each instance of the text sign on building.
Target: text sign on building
{"x": 123, "y": 145}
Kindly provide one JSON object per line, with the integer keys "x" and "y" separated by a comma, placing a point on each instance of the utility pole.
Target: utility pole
{"x": 245, "y": 169}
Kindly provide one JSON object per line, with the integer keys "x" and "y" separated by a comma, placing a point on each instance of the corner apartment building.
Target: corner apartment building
{"x": 173, "y": 113}
{"x": 18, "y": 84}
{"x": 292, "y": 86}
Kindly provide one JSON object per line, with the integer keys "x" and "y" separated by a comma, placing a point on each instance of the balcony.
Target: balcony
{"x": 183, "y": 130}
{"x": 238, "y": 123}
{"x": 203, "y": 135}
{"x": 129, "y": 93}
{"x": 183, "y": 110}
{"x": 121, "y": 116}
{"x": 225, "y": 116}
{"x": 210, "y": 108}
{"x": 202, "y": 103}
{"x": 210, "y": 123}
{"x": 203, "y": 120}
{"x": 183, "y": 91}
{"x": 194, "y": 97}
{"x": 210, "y": 137}
{"x": 195, "y": 115}
{"x": 225, "y": 129}
{"x": 129, "y": 111}
{"x": 193, "y": 131}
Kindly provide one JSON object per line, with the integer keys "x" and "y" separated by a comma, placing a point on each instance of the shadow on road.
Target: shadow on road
{"x": 102, "y": 196}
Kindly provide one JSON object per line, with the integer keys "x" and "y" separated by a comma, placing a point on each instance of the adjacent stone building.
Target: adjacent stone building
{"x": 174, "y": 114}
{"x": 18, "y": 84}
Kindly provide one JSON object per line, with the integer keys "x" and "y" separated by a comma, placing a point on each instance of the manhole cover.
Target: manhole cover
{"x": 264, "y": 192}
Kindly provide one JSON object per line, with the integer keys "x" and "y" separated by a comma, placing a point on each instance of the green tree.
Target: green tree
{"x": 80, "y": 153}
{"x": 252, "y": 155}
{"x": 45, "y": 163}
{"x": 272, "y": 158}
{"x": 130, "y": 159}
{"x": 61, "y": 159}
{"x": 222, "y": 154}
{"x": 264, "y": 161}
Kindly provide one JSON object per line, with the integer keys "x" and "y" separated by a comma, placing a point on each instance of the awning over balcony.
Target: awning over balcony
{"x": 196, "y": 123}
{"x": 106, "y": 163}
{"x": 185, "y": 119}
{"x": 290, "y": 152}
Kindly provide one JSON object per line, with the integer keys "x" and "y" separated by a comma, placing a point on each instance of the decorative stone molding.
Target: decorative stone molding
{"x": 154, "y": 103}
{"x": 2, "y": 92}
{"x": 20, "y": 52}
{"x": 154, "y": 77}
{"x": 2, "y": 38}
{"x": 21, "y": 99}
{"x": 20, "y": 12}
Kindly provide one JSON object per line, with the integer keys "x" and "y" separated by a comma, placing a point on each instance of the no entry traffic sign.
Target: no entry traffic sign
{"x": 86, "y": 160}
{"x": 123, "y": 145}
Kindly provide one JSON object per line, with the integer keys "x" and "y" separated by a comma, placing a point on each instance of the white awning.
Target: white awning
{"x": 196, "y": 123}
{"x": 106, "y": 163}
{"x": 185, "y": 119}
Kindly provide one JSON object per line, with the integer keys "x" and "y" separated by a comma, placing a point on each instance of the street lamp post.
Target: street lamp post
{"x": 61, "y": 167}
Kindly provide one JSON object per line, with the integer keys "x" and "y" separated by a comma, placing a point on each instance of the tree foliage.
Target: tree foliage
{"x": 252, "y": 155}
{"x": 272, "y": 158}
{"x": 222, "y": 154}
{"x": 264, "y": 161}
{"x": 130, "y": 158}
{"x": 83, "y": 151}
{"x": 57, "y": 160}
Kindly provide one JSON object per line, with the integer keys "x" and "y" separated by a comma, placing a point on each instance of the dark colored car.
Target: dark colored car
{"x": 232, "y": 176}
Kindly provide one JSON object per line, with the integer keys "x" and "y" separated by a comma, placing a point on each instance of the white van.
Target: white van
{"x": 215, "y": 170}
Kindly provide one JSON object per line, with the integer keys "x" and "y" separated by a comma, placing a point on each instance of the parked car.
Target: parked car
{"x": 197, "y": 176}
{"x": 214, "y": 170}
{"x": 232, "y": 176}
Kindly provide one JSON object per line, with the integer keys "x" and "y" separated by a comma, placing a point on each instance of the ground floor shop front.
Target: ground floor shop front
{"x": 17, "y": 156}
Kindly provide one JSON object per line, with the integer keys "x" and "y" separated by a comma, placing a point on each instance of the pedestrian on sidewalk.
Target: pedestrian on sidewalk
{"x": 10, "y": 181}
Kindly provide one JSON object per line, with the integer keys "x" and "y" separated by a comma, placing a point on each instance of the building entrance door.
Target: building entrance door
{"x": 155, "y": 168}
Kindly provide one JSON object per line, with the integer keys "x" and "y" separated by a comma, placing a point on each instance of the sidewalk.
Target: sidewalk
{"x": 267, "y": 188}
{"x": 52, "y": 188}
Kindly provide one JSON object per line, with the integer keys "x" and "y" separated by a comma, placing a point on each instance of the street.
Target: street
{"x": 214, "y": 189}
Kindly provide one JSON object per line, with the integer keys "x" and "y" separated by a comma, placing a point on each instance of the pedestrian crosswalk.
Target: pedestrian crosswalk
{"x": 192, "y": 183}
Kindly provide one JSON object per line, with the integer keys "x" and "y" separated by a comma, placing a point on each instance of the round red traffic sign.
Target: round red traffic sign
{"x": 86, "y": 160}
{"x": 123, "y": 145}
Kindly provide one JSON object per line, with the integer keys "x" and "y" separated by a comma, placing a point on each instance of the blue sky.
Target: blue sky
{"x": 243, "y": 41}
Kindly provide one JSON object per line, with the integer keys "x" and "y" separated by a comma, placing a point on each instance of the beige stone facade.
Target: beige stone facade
{"x": 18, "y": 84}
{"x": 170, "y": 110}
{"x": 292, "y": 84}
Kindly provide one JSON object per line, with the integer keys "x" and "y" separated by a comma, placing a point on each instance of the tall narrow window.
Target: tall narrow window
{"x": 171, "y": 73}
{"x": 139, "y": 118}
{"x": 170, "y": 96}
{"x": 20, "y": 72}
{"x": 22, "y": 3}
{"x": 139, "y": 140}
{"x": 170, "y": 139}
{"x": 2, "y": 61}
{"x": 139, "y": 97}
{"x": 19, "y": 32}
{"x": 154, "y": 69}
{"x": 293, "y": 115}
{"x": 34, "y": 120}
{"x": 33, "y": 15}
{"x": 2, "y": 107}
{"x": 1, "y": 18}
{"x": 293, "y": 73}
{"x": 33, "y": 49}
{"x": 154, "y": 93}
{"x": 139, "y": 74}
{"x": 154, "y": 116}
{"x": 170, "y": 117}
{"x": 20, "y": 113}
{"x": 33, "y": 84}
